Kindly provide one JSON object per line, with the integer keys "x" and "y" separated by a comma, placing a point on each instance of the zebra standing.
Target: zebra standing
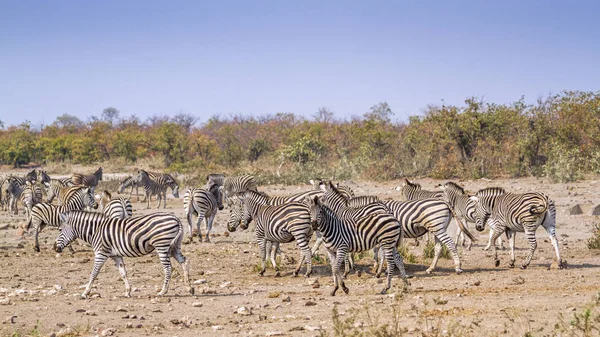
{"x": 28, "y": 194}
{"x": 152, "y": 187}
{"x": 413, "y": 191}
{"x": 215, "y": 178}
{"x": 343, "y": 236}
{"x": 132, "y": 182}
{"x": 131, "y": 237}
{"x": 164, "y": 179}
{"x": 281, "y": 223}
{"x": 46, "y": 214}
{"x": 43, "y": 177}
{"x": 90, "y": 180}
{"x": 512, "y": 213}
{"x": 238, "y": 184}
{"x": 118, "y": 208}
{"x": 204, "y": 202}
{"x": 54, "y": 188}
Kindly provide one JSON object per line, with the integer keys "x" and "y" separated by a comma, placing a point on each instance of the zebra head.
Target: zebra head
{"x": 236, "y": 213}
{"x": 31, "y": 176}
{"x": 129, "y": 181}
{"x": 316, "y": 210}
{"x": 67, "y": 233}
{"x": 98, "y": 173}
{"x": 88, "y": 198}
{"x": 43, "y": 177}
{"x": 175, "y": 189}
{"x": 481, "y": 215}
{"x": 217, "y": 192}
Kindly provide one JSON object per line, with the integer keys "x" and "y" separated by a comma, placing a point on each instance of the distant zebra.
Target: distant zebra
{"x": 46, "y": 214}
{"x": 512, "y": 213}
{"x": 28, "y": 194}
{"x": 236, "y": 185}
{"x": 118, "y": 208}
{"x": 281, "y": 223}
{"x": 413, "y": 191}
{"x": 54, "y": 188}
{"x": 215, "y": 178}
{"x": 43, "y": 177}
{"x": 3, "y": 193}
{"x": 90, "y": 180}
{"x": 204, "y": 202}
{"x": 163, "y": 179}
{"x": 152, "y": 187}
{"x": 343, "y": 236}
{"x": 132, "y": 182}
{"x": 131, "y": 237}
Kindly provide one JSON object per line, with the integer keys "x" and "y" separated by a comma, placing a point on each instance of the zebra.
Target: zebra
{"x": 132, "y": 182}
{"x": 238, "y": 184}
{"x": 43, "y": 177}
{"x": 204, "y": 202}
{"x": 152, "y": 187}
{"x": 164, "y": 179}
{"x": 215, "y": 178}
{"x": 131, "y": 237}
{"x": 29, "y": 194}
{"x": 281, "y": 223}
{"x": 90, "y": 180}
{"x": 119, "y": 208}
{"x": 512, "y": 213}
{"x": 46, "y": 214}
{"x": 3, "y": 193}
{"x": 54, "y": 188}
{"x": 464, "y": 208}
{"x": 413, "y": 191}
{"x": 343, "y": 236}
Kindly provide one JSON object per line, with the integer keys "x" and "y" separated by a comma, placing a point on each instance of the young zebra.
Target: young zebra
{"x": 413, "y": 191}
{"x": 131, "y": 237}
{"x": 118, "y": 208}
{"x": 152, "y": 187}
{"x": 45, "y": 214}
{"x": 512, "y": 213}
{"x": 90, "y": 180}
{"x": 203, "y": 202}
{"x": 343, "y": 236}
{"x": 132, "y": 182}
{"x": 464, "y": 208}
{"x": 281, "y": 223}
{"x": 238, "y": 184}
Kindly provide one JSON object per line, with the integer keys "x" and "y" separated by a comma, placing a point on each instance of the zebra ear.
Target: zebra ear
{"x": 308, "y": 200}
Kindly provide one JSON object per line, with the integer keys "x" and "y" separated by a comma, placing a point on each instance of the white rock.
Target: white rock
{"x": 225, "y": 284}
{"x": 312, "y": 328}
{"x": 196, "y": 304}
{"x": 274, "y": 333}
{"x": 200, "y": 281}
{"x": 217, "y": 327}
{"x": 244, "y": 311}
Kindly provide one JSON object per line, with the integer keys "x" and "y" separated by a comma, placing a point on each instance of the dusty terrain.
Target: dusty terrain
{"x": 39, "y": 292}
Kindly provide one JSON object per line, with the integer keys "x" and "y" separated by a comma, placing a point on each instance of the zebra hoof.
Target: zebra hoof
{"x": 333, "y": 291}
{"x": 384, "y": 291}
{"x": 345, "y": 289}
{"x": 127, "y": 295}
{"x": 497, "y": 263}
{"x": 511, "y": 265}
{"x": 458, "y": 271}
{"x": 295, "y": 274}
{"x": 428, "y": 271}
{"x": 486, "y": 248}
{"x": 524, "y": 266}
{"x": 307, "y": 275}
{"x": 192, "y": 290}
{"x": 278, "y": 274}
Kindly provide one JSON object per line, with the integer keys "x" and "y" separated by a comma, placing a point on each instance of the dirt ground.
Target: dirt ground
{"x": 39, "y": 292}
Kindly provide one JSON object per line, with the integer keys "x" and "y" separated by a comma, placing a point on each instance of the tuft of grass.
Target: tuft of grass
{"x": 318, "y": 259}
{"x": 594, "y": 241}
{"x": 585, "y": 323}
{"x": 407, "y": 256}
{"x": 429, "y": 251}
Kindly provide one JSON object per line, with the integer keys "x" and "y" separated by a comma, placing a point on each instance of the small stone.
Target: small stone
{"x": 286, "y": 299}
{"x": 5, "y": 301}
{"x": 244, "y": 311}
{"x": 80, "y": 310}
{"x": 20, "y": 232}
{"x": 201, "y": 272}
{"x": 108, "y": 332}
{"x": 217, "y": 327}
{"x": 310, "y": 304}
{"x": 274, "y": 295}
{"x": 121, "y": 309}
{"x": 274, "y": 333}
{"x": 226, "y": 234}
{"x": 64, "y": 332}
{"x": 262, "y": 317}
{"x": 225, "y": 284}
{"x": 129, "y": 325}
{"x": 477, "y": 283}
{"x": 84, "y": 260}
{"x": 312, "y": 328}
{"x": 197, "y": 304}
{"x": 3, "y": 227}
{"x": 200, "y": 281}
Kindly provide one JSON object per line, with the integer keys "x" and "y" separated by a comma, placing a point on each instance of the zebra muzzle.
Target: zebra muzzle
{"x": 57, "y": 248}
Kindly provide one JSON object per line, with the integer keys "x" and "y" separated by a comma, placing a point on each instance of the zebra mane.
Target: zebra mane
{"x": 262, "y": 194}
{"x": 490, "y": 191}
{"x": 454, "y": 186}
{"x": 416, "y": 186}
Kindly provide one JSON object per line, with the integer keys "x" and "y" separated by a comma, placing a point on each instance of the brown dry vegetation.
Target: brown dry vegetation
{"x": 39, "y": 291}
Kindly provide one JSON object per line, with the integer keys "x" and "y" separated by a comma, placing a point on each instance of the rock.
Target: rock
{"x": 200, "y": 281}
{"x": 217, "y": 327}
{"x": 575, "y": 210}
{"x": 225, "y": 284}
{"x": 244, "y": 311}
{"x": 274, "y": 333}
{"x": 226, "y": 234}
{"x": 121, "y": 309}
{"x": 3, "y": 227}
{"x": 477, "y": 283}
{"x": 185, "y": 321}
{"x": 108, "y": 332}
{"x": 64, "y": 332}
{"x": 129, "y": 325}
{"x": 84, "y": 260}
{"x": 5, "y": 301}
{"x": 58, "y": 287}
{"x": 207, "y": 291}
{"x": 312, "y": 328}
{"x": 310, "y": 304}
{"x": 20, "y": 232}
{"x": 197, "y": 304}
{"x": 262, "y": 317}
{"x": 596, "y": 210}
{"x": 286, "y": 299}
{"x": 274, "y": 294}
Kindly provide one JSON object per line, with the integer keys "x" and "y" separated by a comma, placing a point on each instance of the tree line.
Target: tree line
{"x": 558, "y": 136}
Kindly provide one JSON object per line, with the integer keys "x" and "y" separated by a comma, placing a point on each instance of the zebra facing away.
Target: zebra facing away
{"x": 164, "y": 179}
{"x": 512, "y": 213}
{"x": 45, "y": 214}
{"x": 204, "y": 202}
{"x": 118, "y": 208}
{"x": 29, "y": 195}
{"x": 277, "y": 224}
{"x": 131, "y": 237}
{"x": 90, "y": 180}
{"x": 342, "y": 236}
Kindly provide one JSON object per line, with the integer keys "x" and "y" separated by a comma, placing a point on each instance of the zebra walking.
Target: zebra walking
{"x": 204, "y": 202}
{"x": 54, "y": 189}
{"x": 118, "y": 208}
{"x": 236, "y": 185}
{"x": 281, "y": 223}
{"x": 164, "y": 179}
{"x": 512, "y": 213}
{"x": 90, "y": 180}
{"x": 343, "y": 236}
{"x": 131, "y": 237}
{"x": 45, "y": 214}
{"x": 152, "y": 187}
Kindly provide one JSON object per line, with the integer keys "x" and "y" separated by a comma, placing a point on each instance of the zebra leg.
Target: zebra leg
{"x": 190, "y": 226}
{"x": 199, "y": 224}
{"x": 500, "y": 243}
{"x": 318, "y": 243}
{"x": 376, "y": 256}
{"x": 36, "y": 231}
{"x": 511, "y": 243}
{"x": 530, "y": 235}
{"x": 147, "y": 200}
{"x": 98, "y": 263}
{"x": 551, "y": 232}
{"x": 165, "y": 260}
{"x": 490, "y": 240}
{"x": 496, "y": 233}
{"x": 271, "y": 250}
{"x": 437, "y": 252}
{"x": 306, "y": 255}
{"x": 400, "y": 264}
{"x": 334, "y": 269}
{"x": 340, "y": 257}
{"x": 209, "y": 222}
{"x": 380, "y": 263}
{"x": 121, "y": 265}
{"x": 459, "y": 236}
{"x": 262, "y": 243}
{"x": 185, "y": 265}
{"x": 159, "y": 198}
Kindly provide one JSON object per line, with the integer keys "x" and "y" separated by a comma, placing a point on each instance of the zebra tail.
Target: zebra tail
{"x": 176, "y": 243}
{"x": 461, "y": 225}
{"x": 539, "y": 208}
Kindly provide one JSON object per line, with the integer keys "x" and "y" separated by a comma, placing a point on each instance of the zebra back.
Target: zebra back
{"x": 162, "y": 179}
{"x": 81, "y": 196}
{"x": 413, "y": 191}
{"x": 338, "y": 202}
{"x": 239, "y": 184}
{"x": 118, "y": 208}
{"x": 215, "y": 178}
{"x": 461, "y": 203}
{"x": 516, "y": 211}
{"x": 90, "y": 180}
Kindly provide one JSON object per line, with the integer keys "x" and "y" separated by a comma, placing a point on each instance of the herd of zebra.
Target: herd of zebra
{"x": 343, "y": 222}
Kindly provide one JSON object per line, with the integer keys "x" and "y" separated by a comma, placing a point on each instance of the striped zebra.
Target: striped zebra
{"x": 132, "y": 182}
{"x": 343, "y": 236}
{"x": 43, "y": 177}
{"x": 280, "y": 223}
{"x": 28, "y": 194}
{"x": 512, "y": 213}
{"x": 204, "y": 202}
{"x": 118, "y": 208}
{"x": 54, "y": 188}
{"x": 152, "y": 187}
{"x": 90, "y": 180}
{"x": 413, "y": 191}
{"x": 3, "y": 193}
{"x": 131, "y": 237}
{"x": 215, "y": 178}
{"x": 236, "y": 185}
{"x": 45, "y": 214}
{"x": 164, "y": 179}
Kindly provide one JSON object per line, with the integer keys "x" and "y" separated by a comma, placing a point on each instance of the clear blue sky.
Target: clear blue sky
{"x": 210, "y": 58}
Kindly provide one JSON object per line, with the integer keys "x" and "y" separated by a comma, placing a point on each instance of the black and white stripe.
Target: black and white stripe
{"x": 512, "y": 213}
{"x": 236, "y": 185}
{"x": 131, "y": 237}
{"x": 54, "y": 189}
{"x": 132, "y": 182}
{"x": 152, "y": 187}
{"x": 166, "y": 180}
{"x": 281, "y": 223}
{"x": 90, "y": 180}
{"x": 413, "y": 191}
{"x": 343, "y": 236}
{"x": 204, "y": 203}
{"x": 215, "y": 178}
{"x": 118, "y": 208}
